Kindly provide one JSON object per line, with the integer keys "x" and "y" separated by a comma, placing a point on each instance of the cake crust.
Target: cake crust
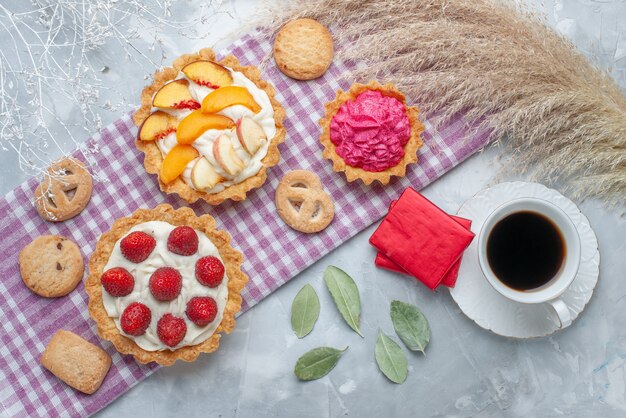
{"x": 184, "y": 216}
{"x": 153, "y": 159}
{"x": 410, "y": 149}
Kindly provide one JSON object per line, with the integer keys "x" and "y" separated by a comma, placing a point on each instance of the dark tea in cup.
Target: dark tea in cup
{"x": 529, "y": 252}
{"x": 525, "y": 250}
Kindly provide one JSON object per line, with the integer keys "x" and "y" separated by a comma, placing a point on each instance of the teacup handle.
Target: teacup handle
{"x": 562, "y": 312}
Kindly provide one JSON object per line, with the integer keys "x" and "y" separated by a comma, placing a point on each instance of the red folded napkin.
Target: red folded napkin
{"x": 422, "y": 240}
{"x": 449, "y": 279}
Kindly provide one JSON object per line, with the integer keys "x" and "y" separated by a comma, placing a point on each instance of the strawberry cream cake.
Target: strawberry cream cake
{"x": 163, "y": 284}
{"x": 209, "y": 129}
{"x": 370, "y": 133}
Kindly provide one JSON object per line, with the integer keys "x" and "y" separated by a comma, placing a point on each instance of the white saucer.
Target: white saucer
{"x": 492, "y": 311}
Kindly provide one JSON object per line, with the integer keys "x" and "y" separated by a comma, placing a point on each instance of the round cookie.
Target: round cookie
{"x": 51, "y": 266}
{"x": 64, "y": 191}
{"x": 303, "y": 49}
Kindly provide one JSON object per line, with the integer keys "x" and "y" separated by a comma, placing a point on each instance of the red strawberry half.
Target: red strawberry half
{"x": 165, "y": 283}
{"x": 135, "y": 319}
{"x": 137, "y": 246}
{"x": 201, "y": 310}
{"x": 117, "y": 281}
{"x": 210, "y": 271}
{"x": 171, "y": 330}
{"x": 183, "y": 240}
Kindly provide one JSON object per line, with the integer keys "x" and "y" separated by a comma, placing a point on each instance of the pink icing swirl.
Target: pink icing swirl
{"x": 371, "y": 131}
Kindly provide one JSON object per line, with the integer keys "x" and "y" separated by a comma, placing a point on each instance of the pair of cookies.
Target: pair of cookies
{"x": 51, "y": 265}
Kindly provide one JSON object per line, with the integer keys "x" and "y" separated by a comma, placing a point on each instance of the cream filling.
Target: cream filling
{"x": 204, "y": 143}
{"x": 162, "y": 257}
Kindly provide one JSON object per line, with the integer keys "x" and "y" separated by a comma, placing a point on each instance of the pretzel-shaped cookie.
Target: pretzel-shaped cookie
{"x": 65, "y": 190}
{"x": 302, "y": 202}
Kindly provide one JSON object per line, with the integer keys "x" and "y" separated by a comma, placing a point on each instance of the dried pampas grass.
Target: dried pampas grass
{"x": 496, "y": 62}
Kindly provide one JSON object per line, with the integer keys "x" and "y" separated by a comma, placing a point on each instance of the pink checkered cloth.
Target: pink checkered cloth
{"x": 274, "y": 253}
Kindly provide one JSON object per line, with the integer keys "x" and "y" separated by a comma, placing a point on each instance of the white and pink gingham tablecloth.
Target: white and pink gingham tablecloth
{"x": 274, "y": 253}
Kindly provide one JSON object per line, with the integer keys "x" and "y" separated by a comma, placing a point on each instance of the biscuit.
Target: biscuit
{"x": 51, "y": 266}
{"x": 64, "y": 191}
{"x": 302, "y": 202}
{"x": 76, "y": 361}
{"x": 303, "y": 49}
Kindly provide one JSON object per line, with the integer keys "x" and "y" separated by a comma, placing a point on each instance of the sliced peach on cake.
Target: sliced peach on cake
{"x": 175, "y": 95}
{"x": 197, "y": 123}
{"x": 229, "y": 96}
{"x": 208, "y": 73}
{"x": 225, "y": 156}
{"x": 156, "y": 126}
{"x": 250, "y": 134}
{"x": 204, "y": 176}
{"x": 175, "y": 162}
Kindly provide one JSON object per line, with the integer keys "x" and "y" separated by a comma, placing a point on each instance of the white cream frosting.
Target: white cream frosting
{"x": 204, "y": 143}
{"x": 162, "y": 257}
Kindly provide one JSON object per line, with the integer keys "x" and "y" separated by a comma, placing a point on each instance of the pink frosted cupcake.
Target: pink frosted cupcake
{"x": 370, "y": 133}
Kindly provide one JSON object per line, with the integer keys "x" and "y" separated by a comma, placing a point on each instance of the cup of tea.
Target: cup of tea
{"x": 529, "y": 251}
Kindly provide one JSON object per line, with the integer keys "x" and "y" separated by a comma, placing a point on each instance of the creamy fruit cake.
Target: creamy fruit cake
{"x": 209, "y": 129}
{"x": 163, "y": 284}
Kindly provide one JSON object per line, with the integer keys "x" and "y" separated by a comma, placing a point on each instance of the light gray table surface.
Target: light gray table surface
{"x": 467, "y": 371}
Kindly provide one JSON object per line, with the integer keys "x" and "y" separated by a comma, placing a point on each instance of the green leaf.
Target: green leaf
{"x": 345, "y": 294}
{"x": 390, "y": 358}
{"x": 317, "y": 362}
{"x": 305, "y": 310}
{"x": 410, "y": 325}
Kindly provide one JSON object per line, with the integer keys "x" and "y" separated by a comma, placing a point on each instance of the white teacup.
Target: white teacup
{"x": 553, "y": 289}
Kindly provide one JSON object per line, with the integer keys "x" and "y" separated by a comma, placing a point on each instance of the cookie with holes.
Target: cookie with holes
{"x": 302, "y": 202}
{"x": 51, "y": 266}
{"x": 64, "y": 191}
{"x": 164, "y": 285}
